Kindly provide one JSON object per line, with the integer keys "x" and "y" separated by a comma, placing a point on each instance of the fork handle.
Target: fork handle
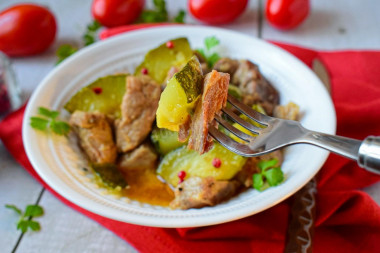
{"x": 366, "y": 153}
{"x": 369, "y": 154}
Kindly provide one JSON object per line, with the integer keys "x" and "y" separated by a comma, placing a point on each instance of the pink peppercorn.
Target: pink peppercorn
{"x": 216, "y": 162}
{"x": 97, "y": 90}
{"x": 181, "y": 175}
{"x": 144, "y": 71}
{"x": 169, "y": 44}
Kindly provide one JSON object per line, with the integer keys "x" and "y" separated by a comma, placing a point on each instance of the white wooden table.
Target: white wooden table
{"x": 338, "y": 24}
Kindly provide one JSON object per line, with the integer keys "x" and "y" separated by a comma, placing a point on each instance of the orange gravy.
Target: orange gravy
{"x": 144, "y": 186}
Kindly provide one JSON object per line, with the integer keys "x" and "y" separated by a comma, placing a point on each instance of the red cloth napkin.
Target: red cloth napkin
{"x": 348, "y": 220}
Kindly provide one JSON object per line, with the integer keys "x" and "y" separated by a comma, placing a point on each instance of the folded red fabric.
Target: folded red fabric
{"x": 348, "y": 220}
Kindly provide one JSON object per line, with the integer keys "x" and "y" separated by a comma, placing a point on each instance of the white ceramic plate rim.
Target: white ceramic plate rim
{"x": 176, "y": 218}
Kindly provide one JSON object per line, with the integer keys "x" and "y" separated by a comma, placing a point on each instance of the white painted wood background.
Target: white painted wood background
{"x": 338, "y": 24}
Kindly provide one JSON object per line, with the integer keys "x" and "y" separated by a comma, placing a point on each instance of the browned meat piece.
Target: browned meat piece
{"x": 138, "y": 111}
{"x": 95, "y": 136}
{"x": 255, "y": 87}
{"x": 184, "y": 130}
{"x": 226, "y": 65}
{"x": 197, "y": 192}
{"x": 214, "y": 97}
{"x": 250, "y": 167}
{"x": 141, "y": 158}
{"x": 289, "y": 111}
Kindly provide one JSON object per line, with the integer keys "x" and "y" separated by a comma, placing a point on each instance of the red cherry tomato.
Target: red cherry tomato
{"x": 26, "y": 29}
{"x": 287, "y": 14}
{"x": 217, "y": 11}
{"x": 112, "y": 13}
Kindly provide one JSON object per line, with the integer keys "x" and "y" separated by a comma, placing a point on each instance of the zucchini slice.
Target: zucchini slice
{"x": 158, "y": 61}
{"x": 194, "y": 164}
{"x": 180, "y": 95}
{"x": 104, "y": 95}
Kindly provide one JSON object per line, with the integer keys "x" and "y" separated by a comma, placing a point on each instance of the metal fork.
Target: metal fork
{"x": 277, "y": 133}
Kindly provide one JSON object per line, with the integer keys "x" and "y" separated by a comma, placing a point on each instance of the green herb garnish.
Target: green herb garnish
{"x": 180, "y": 18}
{"x": 65, "y": 51}
{"x": 90, "y": 36}
{"x": 49, "y": 121}
{"x": 26, "y": 218}
{"x": 209, "y": 51}
{"x": 160, "y": 14}
{"x": 269, "y": 175}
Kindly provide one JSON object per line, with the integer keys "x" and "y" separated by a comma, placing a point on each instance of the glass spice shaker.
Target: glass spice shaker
{"x": 10, "y": 95}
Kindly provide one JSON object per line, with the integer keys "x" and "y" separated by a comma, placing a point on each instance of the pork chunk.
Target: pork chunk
{"x": 226, "y": 65}
{"x": 95, "y": 136}
{"x": 138, "y": 111}
{"x": 141, "y": 158}
{"x": 214, "y": 98}
{"x": 255, "y": 87}
{"x": 289, "y": 111}
{"x": 197, "y": 192}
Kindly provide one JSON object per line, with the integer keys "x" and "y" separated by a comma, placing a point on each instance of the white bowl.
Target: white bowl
{"x": 58, "y": 160}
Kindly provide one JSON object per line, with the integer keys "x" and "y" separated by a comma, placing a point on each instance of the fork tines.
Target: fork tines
{"x": 226, "y": 140}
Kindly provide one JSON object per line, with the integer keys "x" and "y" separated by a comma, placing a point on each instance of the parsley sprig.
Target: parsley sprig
{"x": 49, "y": 121}
{"x": 160, "y": 14}
{"x": 90, "y": 36}
{"x": 26, "y": 218}
{"x": 65, "y": 51}
{"x": 269, "y": 175}
{"x": 208, "y": 53}
{"x": 180, "y": 18}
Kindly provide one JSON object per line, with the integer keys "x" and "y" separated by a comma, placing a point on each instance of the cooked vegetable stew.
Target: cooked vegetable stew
{"x": 146, "y": 135}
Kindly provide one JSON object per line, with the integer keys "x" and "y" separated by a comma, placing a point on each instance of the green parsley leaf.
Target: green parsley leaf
{"x": 34, "y": 225}
{"x": 160, "y": 14}
{"x": 157, "y": 15}
{"x": 22, "y": 225}
{"x": 211, "y": 42}
{"x": 94, "y": 26}
{"x": 39, "y": 123}
{"x": 160, "y": 5}
{"x": 180, "y": 18}
{"x": 209, "y": 53}
{"x": 258, "y": 181}
{"x": 274, "y": 176}
{"x": 263, "y": 165}
{"x": 64, "y": 51}
{"x": 60, "y": 127}
{"x": 47, "y": 113}
{"x": 268, "y": 175}
{"x": 26, "y": 218}
{"x": 14, "y": 208}
{"x": 213, "y": 58}
{"x": 90, "y": 36}
{"x": 33, "y": 211}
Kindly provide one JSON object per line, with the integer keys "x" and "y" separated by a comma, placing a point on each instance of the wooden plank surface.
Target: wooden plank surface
{"x": 330, "y": 26}
{"x": 16, "y": 187}
{"x": 65, "y": 230}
